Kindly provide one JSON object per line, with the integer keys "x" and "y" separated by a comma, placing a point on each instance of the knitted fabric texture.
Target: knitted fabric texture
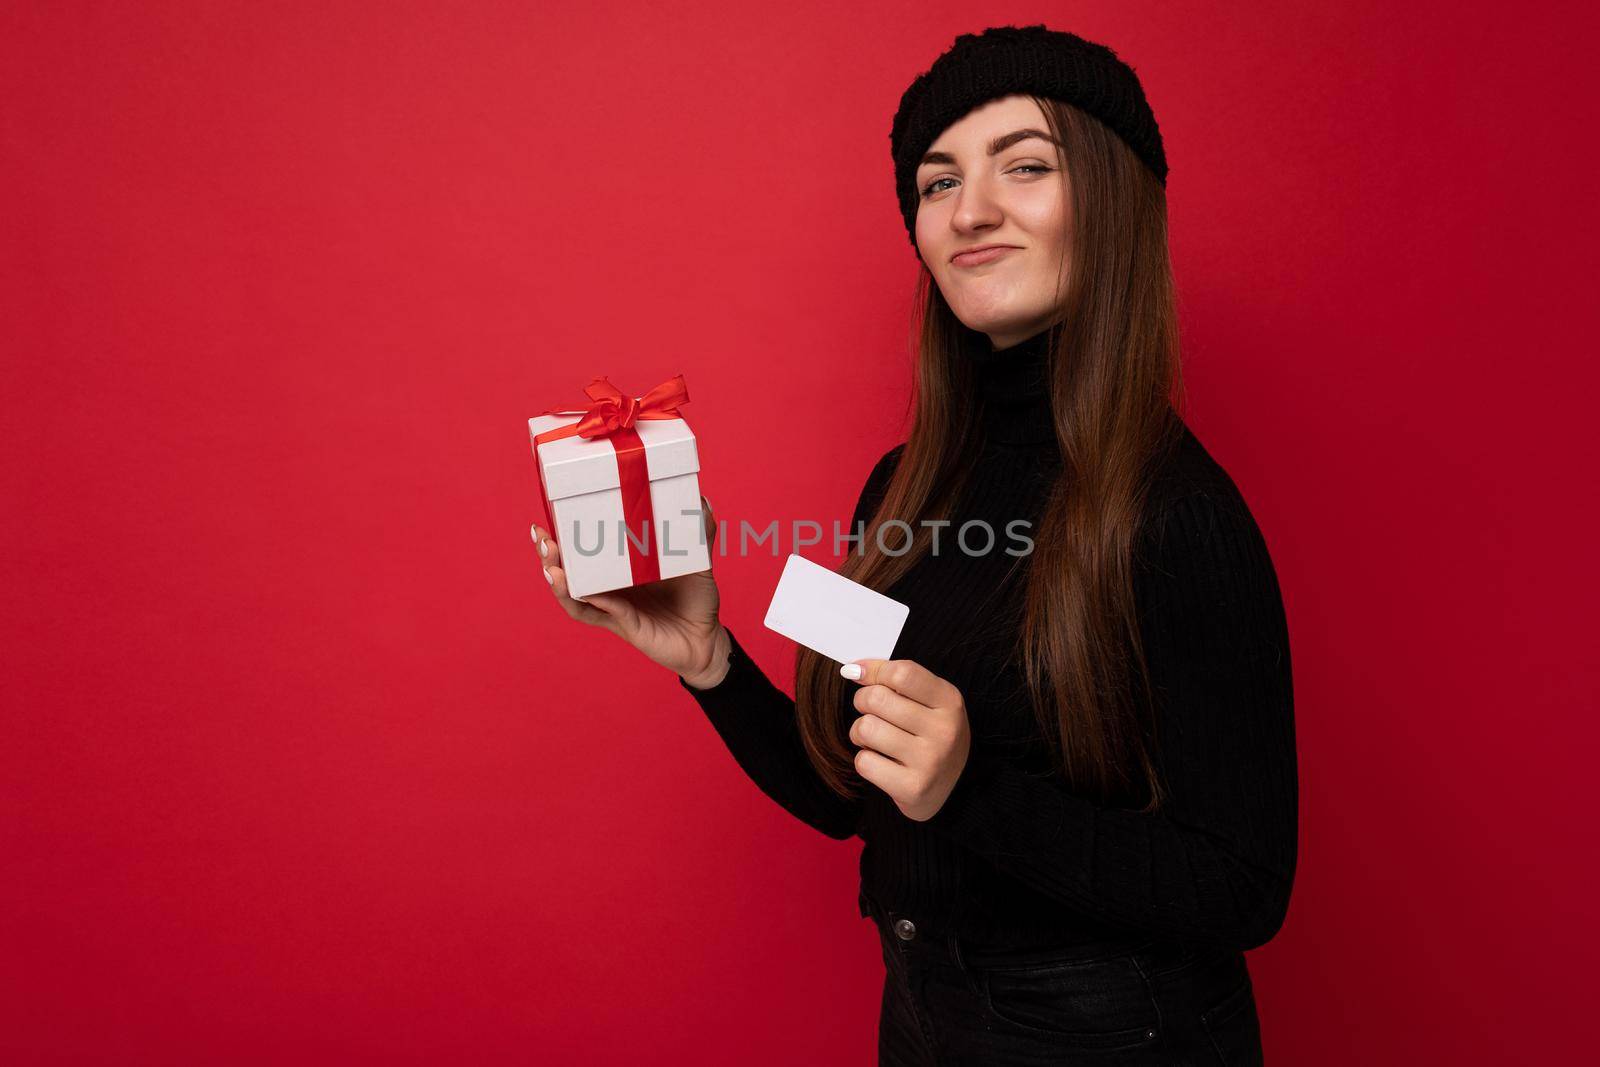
{"x": 1004, "y": 60}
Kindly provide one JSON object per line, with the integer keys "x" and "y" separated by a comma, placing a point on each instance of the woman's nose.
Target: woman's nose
{"x": 976, "y": 206}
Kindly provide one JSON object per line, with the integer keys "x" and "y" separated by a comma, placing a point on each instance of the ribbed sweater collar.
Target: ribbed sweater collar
{"x": 1013, "y": 390}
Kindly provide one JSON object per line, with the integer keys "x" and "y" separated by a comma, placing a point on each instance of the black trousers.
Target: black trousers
{"x": 948, "y": 1003}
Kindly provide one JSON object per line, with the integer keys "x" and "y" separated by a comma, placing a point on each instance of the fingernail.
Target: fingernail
{"x": 547, "y": 577}
{"x": 544, "y": 548}
{"x": 851, "y": 671}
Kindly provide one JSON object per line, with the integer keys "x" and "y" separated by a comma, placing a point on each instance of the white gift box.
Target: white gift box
{"x": 581, "y": 479}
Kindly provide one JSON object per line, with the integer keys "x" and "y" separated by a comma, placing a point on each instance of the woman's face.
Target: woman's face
{"x": 1015, "y": 197}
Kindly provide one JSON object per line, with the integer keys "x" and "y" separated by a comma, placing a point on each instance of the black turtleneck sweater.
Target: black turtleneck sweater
{"x": 1014, "y": 857}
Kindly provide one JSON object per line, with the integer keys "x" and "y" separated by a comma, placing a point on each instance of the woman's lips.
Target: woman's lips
{"x": 972, "y": 259}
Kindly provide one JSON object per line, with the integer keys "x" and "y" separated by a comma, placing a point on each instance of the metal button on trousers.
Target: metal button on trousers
{"x": 905, "y": 929}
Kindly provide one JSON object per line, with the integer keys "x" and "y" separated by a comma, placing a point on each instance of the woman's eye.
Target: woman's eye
{"x": 933, "y": 186}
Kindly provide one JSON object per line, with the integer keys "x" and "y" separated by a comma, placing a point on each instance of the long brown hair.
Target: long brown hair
{"x": 1117, "y": 393}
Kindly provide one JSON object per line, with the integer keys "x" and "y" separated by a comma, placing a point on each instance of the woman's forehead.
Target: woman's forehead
{"x": 989, "y": 120}
{"x": 989, "y": 133}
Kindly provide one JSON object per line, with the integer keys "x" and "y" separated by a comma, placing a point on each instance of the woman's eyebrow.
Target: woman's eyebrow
{"x": 996, "y": 146}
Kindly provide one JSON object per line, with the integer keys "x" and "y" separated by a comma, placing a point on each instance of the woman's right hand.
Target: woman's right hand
{"x": 672, "y": 621}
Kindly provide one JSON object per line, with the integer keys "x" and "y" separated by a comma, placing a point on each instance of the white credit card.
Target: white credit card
{"x": 830, "y": 614}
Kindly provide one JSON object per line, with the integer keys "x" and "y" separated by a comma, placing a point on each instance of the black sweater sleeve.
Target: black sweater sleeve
{"x": 756, "y": 719}
{"x": 1218, "y": 862}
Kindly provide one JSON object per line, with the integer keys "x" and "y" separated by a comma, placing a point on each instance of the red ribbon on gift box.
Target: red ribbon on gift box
{"x": 611, "y": 415}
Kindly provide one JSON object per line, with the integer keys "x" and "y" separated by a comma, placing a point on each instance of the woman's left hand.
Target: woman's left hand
{"x": 913, "y": 734}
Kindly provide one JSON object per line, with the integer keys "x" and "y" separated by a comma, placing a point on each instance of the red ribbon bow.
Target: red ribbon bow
{"x": 611, "y": 415}
{"x": 613, "y": 411}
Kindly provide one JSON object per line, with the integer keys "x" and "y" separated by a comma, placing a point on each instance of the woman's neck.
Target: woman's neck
{"x": 1013, "y": 390}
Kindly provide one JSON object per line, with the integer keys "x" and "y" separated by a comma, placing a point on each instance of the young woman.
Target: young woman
{"x": 1076, "y": 783}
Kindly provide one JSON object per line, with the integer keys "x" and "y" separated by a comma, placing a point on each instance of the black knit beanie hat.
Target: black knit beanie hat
{"x": 1009, "y": 59}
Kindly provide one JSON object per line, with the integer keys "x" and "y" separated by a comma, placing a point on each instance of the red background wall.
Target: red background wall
{"x": 300, "y": 760}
